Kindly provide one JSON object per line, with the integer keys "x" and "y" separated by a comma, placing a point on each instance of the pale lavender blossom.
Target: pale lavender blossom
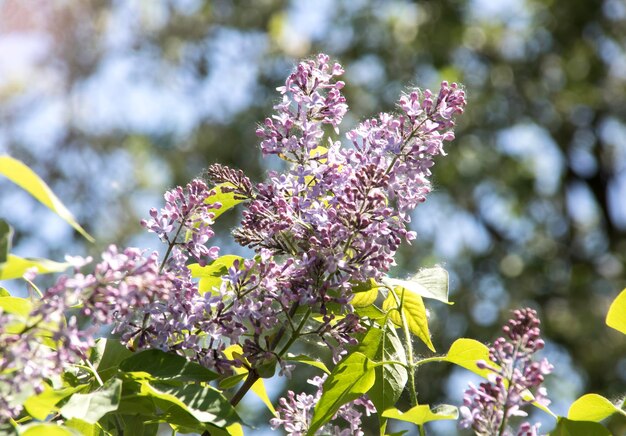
{"x": 310, "y": 98}
{"x": 487, "y": 408}
{"x": 186, "y": 220}
{"x": 295, "y": 413}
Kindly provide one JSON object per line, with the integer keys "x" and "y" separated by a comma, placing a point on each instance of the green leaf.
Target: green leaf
{"x": 137, "y": 425}
{"x": 47, "y": 430}
{"x": 40, "y": 406}
{"x": 365, "y": 286}
{"x": 616, "y": 318}
{"x": 84, "y": 428}
{"x": 566, "y": 427}
{"x": 132, "y": 401}
{"x": 168, "y": 367}
{"x": 428, "y": 282}
{"x": 15, "y": 267}
{"x": 592, "y": 407}
{"x": 422, "y": 414}
{"x": 384, "y": 345}
{"x": 226, "y": 199}
{"x": 107, "y": 356}
{"x": 364, "y": 299}
{"x": 93, "y": 406}
{"x": 351, "y": 378}
{"x": 466, "y": 352}
{"x": 372, "y": 312}
{"x": 6, "y": 239}
{"x": 203, "y": 403}
{"x": 24, "y": 177}
{"x": 232, "y": 381}
{"x": 211, "y": 275}
{"x": 413, "y": 310}
{"x": 301, "y": 358}
{"x": 16, "y": 305}
{"x": 4, "y": 292}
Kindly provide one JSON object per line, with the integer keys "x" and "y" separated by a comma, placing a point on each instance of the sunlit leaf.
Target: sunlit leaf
{"x": 16, "y": 305}
{"x": 24, "y": 177}
{"x": 592, "y": 407}
{"x": 616, "y": 318}
{"x": 93, "y": 406}
{"x": 84, "y": 428}
{"x": 381, "y": 346}
{"x": 351, "y": 378}
{"x": 372, "y": 312}
{"x": 15, "y": 267}
{"x": 466, "y": 352}
{"x": 421, "y": 414}
{"x": 428, "y": 282}
{"x": 413, "y": 310}
{"x": 364, "y": 299}
{"x": 211, "y": 275}
{"x": 48, "y": 430}
{"x": 41, "y": 405}
{"x": 301, "y": 358}
{"x": 226, "y": 199}
{"x": 566, "y": 427}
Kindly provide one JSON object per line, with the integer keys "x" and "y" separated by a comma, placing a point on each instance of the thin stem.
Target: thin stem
{"x": 33, "y": 287}
{"x": 172, "y": 243}
{"x": 429, "y": 360}
{"x": 296, "y": 333}
{"x": 251, "y": 379}
{"x": 422, "y": 430}
{"x": 253, "y": 376}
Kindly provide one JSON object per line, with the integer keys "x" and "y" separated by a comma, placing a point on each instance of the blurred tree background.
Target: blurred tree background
{"x": 113, "y": 102}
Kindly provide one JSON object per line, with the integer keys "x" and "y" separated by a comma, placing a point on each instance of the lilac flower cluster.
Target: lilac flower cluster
{"x": 25, "y": 362}
{"x": 488, "y": 407}
{"x": 341, "y": 213}
{"x": 310, "y": 99}
{"x": 186, "y": 220}
{"x": 121, "y": 283}
{"x": 336, "y": 217}
{"x": 295, "y": 413}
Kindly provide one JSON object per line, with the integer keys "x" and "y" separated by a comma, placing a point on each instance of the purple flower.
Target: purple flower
{"x": 295, "y": 412}
{"x": 186, "y": 220}
{"x": 487, "y": 408}
{"x": 310, "y": 98}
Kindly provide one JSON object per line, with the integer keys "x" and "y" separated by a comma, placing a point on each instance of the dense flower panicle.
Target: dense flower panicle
{"x": 186, "y": 220}
{"x": 121, "y": 283}
{"x": 295, "y": 413}
{"x": 336, "y": 217}
{"x": 310, "y": 99}
{"x": 231, "y": 180}
{"x": 24, "y": 362}
{"x": 488, "y": 407}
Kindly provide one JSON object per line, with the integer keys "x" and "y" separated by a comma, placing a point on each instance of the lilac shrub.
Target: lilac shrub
{"x": 333, "y": 219}
{"x": 514, "y": 382}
